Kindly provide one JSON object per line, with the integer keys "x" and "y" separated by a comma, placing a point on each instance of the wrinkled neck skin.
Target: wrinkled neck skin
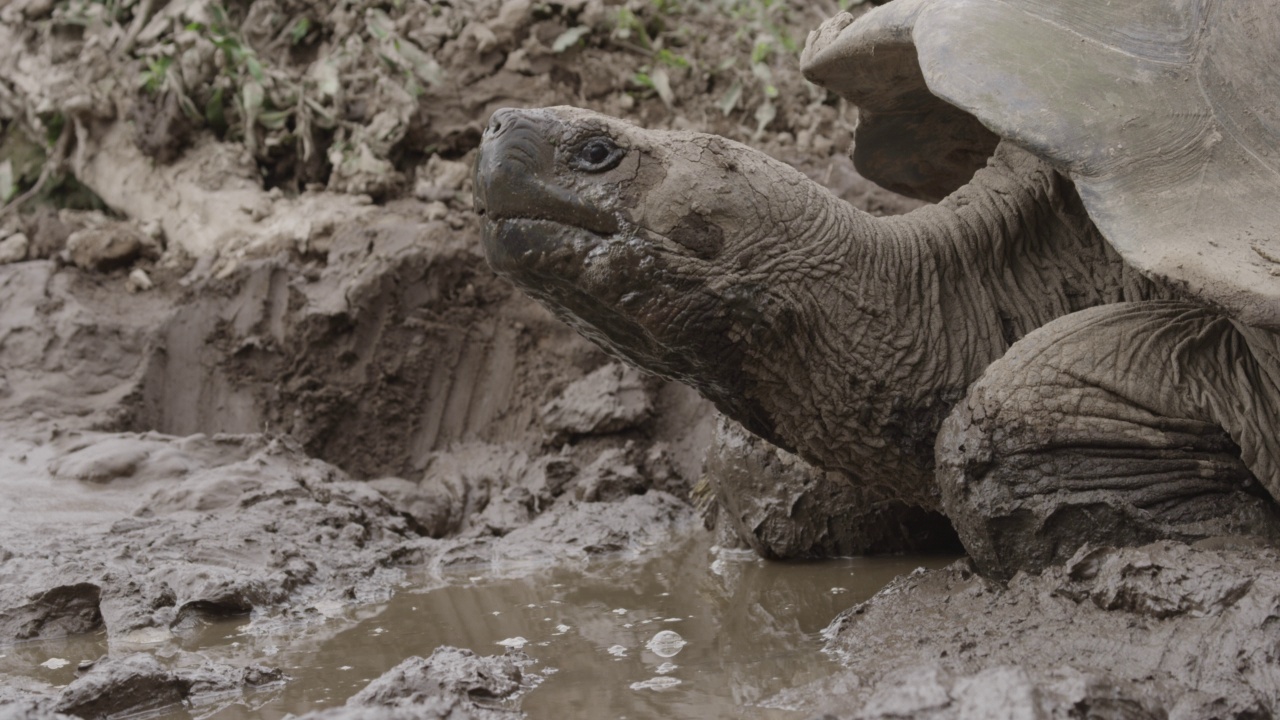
{"x": 880, "y": 324}
{"x": 841, "y": 336}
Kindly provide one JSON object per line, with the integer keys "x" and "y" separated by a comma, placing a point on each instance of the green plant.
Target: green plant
{"x": 298, "y": 31}
{"x": 629, "y": 28}
{"x": 153, "y": 79}
{"x": 414, "y": 65}
{"x": 744, "y": 78}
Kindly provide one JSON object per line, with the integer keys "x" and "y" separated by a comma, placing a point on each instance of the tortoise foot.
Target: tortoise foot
{"x": 1112, "y": 426}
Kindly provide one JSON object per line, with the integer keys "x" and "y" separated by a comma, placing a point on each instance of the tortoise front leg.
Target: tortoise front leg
{"x": 1117, "y": 425}
{"x": 784, "y": 508}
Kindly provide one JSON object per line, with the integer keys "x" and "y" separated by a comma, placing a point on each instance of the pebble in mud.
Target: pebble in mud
{"x": 14, "y": 248}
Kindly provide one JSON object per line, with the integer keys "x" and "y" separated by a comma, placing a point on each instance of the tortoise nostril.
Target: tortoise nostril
{"x": 498, "y": 121}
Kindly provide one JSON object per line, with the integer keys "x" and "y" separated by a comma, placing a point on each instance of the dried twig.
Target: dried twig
{"x": 140, "y": 19}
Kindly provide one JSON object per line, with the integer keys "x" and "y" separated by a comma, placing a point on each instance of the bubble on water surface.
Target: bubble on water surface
{"x": 666, "y": 668}
{"x": 656, "y": 683}
{"x": 617, "y": 651}
{"x": 515, "y": 643}
{"x": 55, "y": 663}
{"x": 667, "y": 643}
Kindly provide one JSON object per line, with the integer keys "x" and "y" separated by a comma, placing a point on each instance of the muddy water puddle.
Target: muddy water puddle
{"x": 693, "y": 633}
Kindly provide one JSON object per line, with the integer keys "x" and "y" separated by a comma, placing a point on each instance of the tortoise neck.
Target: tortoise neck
{"x": 915, "y": 308}
{"x": 1007, "y": 253}
{"x": 983, "y": 267}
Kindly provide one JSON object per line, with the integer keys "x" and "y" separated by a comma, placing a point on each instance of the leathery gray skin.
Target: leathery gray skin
{"x": 848, "y": 339}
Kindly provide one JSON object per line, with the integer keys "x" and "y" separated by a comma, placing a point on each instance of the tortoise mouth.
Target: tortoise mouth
{"x": 533, "y": 248}
{"x": 591, "y": 220}
{"x": 561, "y": 265}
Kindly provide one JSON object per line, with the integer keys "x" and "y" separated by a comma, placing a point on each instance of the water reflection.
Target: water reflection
{"x": 692, "y": 633}
{"x": 749, "y": 629}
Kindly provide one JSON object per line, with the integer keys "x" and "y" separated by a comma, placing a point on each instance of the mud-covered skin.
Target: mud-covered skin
{"x": 1121, "y": 424}
{"x": 573, "y": 239}
{"x": 784, "y": 508}
{"x": 798, "y": 315}
{"x": 839, "y": 336}
{"x": 847, "y": 338}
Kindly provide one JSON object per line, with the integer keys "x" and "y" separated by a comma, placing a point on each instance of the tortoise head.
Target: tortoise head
{"x": 650, "y": 243}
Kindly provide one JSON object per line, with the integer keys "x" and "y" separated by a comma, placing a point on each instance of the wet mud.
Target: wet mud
{"x": 291, "y": 438}
{"x": 273, "y": 438}
{"x": 1160, "y": 631}
{"x": 688, "y": 631}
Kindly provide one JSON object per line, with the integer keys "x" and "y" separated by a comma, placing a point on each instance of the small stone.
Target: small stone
{"x": 14, "y": 249}
{"x": 107, "y": 246}
{"x": 37, "y": 9}
{"x": 139, "y": 281}
{"x": 154, "y": 230}
{"x": 435, "y": 211}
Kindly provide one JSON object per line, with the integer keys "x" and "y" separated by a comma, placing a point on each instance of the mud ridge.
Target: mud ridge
{"x": 1160, "y": 631}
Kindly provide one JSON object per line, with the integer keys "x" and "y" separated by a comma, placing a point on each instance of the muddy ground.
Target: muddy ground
{"x": 252, "y": 362}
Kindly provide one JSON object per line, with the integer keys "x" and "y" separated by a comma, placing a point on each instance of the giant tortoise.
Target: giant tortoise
{"x": 1078, "y": 342}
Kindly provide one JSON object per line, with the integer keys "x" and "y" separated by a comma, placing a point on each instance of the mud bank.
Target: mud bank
{"x": 138, "y": 683}
{"x": 452, "y": 683}
{"x": 1160, "y": 631}
{"x": 283, "y": 442}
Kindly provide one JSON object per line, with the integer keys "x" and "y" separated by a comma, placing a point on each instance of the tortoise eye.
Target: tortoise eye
{"x": 598, "y": 154}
